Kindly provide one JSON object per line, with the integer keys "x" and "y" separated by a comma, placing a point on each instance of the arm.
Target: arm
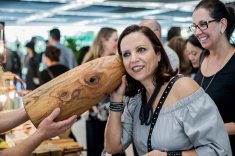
{"x": 11, "y": 119}
{"x": 46, "y": 129}
{"x": 230, "y": 127}
{"x": 159, "y": 153}
{"x": 201, "y": 121}
{"x": 204, "y": 126}
{"x": 71, "y": 59}
{"x": 113, "y": 130}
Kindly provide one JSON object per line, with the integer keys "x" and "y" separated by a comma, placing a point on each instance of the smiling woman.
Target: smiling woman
{"x": 215, "y": 25}
{"x": 141, "y": 60}
{"x": 162, "y": 106}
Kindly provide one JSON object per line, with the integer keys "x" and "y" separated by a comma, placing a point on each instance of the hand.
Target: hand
{"x": 118, "y": 94}
{"x": 156, "y": 153}
{"x": 48, "y": 128}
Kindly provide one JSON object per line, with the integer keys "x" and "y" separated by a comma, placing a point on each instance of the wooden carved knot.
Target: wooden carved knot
{"x": 93, "y": 80}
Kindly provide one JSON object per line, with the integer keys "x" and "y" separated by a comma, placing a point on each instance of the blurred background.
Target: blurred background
{"x": 29, "y": 21}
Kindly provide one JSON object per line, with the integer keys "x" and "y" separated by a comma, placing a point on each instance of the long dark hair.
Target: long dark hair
{"x": 194, "y": 41}
{"x": 162, "y": 73}
{"x": 218, "y": 10}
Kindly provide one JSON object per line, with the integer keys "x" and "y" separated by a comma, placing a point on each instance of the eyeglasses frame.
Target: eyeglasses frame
{"x": 196, "y": 26}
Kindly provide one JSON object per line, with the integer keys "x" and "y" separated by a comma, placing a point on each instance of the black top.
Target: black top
{"x": 222, "y": 91}
{"x": 55, "y": 71}
{"x": 32, "y": 73}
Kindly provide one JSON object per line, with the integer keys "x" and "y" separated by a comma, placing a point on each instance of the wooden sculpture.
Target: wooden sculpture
{"x": 76, "y": 90}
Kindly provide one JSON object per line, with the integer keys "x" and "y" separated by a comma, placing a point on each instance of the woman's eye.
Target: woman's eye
{"x": 194, "y": 53}
{"x": 202, "y": 25}
{"x": 141, "y": 50}
{"x": 125, "y": 54}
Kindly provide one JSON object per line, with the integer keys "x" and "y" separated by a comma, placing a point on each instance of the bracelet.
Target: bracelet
{"x": 116, "y": 106}
{"x": 174, "y": 153}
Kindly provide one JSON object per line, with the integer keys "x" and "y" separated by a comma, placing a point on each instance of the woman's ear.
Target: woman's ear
{"x": 224, "y": 24}
{"x": 159, "y": 56}
{"x": 47, "y": 60}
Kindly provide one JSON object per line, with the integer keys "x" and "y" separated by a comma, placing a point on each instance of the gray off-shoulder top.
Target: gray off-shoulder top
{"x": 191, "y": 123}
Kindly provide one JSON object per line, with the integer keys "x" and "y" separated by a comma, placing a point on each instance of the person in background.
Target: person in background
{"x": 173, "y": 32}
{"x": 194, "y": 52}
{"x": 34, "y": 40}
{"x": 67, "y": 56}
{"x": 156, "y": 28}
{"x": 13, "y": 63}
{"x": 105, "y": 44}
{"x": 82, "y": 52}
{"x": 213, "y": 25}
{"x": 42, "y": 56}
{"x": 165, "y": 114}
{"x": 178, "y": 44}
{"x": 32, "y": 64}
{"x": 54, "y": 68}
{"x": 47, "y": 129}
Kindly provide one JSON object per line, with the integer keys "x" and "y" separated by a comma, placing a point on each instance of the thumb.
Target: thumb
{"x": 54, "y": 114}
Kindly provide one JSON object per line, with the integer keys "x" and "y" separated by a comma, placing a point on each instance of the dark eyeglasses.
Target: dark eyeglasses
{"x": 203, "y": 25}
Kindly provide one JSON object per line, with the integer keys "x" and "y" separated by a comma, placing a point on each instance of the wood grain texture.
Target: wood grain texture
{"x": 76, "y": 90}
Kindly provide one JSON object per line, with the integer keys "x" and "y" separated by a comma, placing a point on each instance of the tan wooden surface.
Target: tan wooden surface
{"x": 58, "y": 147}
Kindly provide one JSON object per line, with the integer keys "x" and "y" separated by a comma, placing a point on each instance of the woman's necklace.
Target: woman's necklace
{"x": 209, "y": 82}
{"x": 213, "y": 75}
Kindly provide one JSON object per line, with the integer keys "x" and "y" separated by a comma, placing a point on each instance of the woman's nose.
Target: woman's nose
{"x": 133, "y": 57}
{"x": 197, "y": 31}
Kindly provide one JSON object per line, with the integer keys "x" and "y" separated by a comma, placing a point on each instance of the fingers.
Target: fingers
{"x": 68, "y": 122}
{"x": 118, "y": 94}
{"x": 124, "y": 82}
{"x": 122, "y": 87}
{"x": 54, "y": 114}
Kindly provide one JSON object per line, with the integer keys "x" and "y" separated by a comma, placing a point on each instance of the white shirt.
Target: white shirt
{"x": 173, "y": 57}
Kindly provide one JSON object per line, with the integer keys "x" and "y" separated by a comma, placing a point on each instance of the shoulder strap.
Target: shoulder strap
{"x": 50, "y": 73}
{"x": 158, "y": 109}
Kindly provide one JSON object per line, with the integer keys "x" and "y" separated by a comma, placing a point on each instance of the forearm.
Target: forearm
{"x": 113, "y": 132}
{"x": 189, "y": 153}
{"x": 9, "y": 120}
{"x": 184, "y": 153}
{"x": 25, "y": 147}
{"x": 230, "y": 127}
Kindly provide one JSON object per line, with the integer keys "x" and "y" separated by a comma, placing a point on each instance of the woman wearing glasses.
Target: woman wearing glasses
{"x": 213, "y": 25}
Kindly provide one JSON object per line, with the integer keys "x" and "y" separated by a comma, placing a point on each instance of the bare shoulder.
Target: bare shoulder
{"x": 184, "y": 87}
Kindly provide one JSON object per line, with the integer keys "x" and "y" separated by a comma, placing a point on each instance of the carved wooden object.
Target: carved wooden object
{"x": 76, "y": 90}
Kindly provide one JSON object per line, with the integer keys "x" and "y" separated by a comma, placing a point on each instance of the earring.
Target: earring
{"x": 221, "y": 31}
